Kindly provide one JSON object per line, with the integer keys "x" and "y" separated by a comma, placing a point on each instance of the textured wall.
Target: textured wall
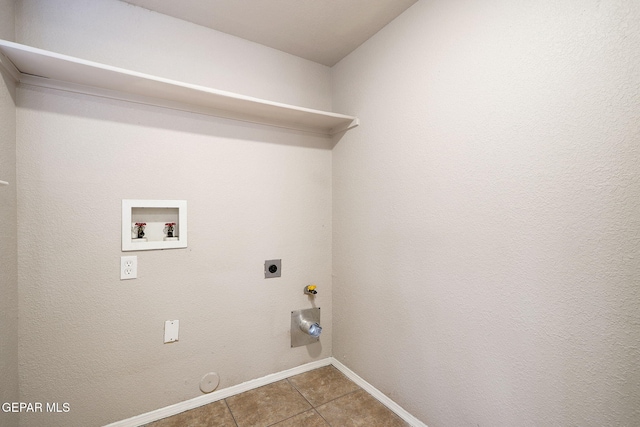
{"x": 8, "y": 241}
{"x": 253, "y": 192}
{"x": 127, "y": 36}
{"x": 487, "y": 213}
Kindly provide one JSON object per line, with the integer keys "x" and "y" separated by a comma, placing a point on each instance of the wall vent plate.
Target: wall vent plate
{"x": 209, "y": 382}
{"x": 298, "y": 336}
{"x": 272, "y": 268}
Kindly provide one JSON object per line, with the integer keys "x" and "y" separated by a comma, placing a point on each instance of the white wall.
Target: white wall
{"x": 8, "y": 216}
{"x": 254, "y": 193}
{"x": 130, "y": 37}
{"x": 487, "y": 213}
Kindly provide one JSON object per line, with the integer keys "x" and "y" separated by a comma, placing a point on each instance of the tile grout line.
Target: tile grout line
{"x": 299, "y": 392}
{"x": 231, "y": 412}
{"x": 288, "y": 418}
{"x": 323, "y": 418}
{"x": 331, "y": 400}
{"x": 339, "y": 397}
{"x": 294, "y": 415}
{"x": 315, "y": 408}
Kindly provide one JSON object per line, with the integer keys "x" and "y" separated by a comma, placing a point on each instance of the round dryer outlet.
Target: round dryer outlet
{"x": 209, "y": 382}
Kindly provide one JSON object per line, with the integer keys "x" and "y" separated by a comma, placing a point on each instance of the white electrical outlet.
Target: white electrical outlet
{"x": 128, "y": 267}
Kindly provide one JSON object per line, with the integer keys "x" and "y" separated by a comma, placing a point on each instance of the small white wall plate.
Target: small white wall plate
{"x": 171, "y": 330}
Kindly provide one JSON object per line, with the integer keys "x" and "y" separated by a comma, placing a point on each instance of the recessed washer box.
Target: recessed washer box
{"x": 165, "y": 224}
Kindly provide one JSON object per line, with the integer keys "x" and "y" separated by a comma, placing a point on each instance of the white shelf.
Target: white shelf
{"x": 43, "y": 68}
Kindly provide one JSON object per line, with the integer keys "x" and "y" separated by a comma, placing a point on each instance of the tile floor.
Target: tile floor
{"x": 319, "y": 398}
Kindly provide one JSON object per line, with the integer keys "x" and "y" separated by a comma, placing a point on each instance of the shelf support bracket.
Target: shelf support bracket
{"x": 354, "y": 123}
{"x": 7, "y": 65}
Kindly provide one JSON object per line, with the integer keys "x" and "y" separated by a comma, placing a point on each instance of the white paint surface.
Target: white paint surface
{"x": 126, "y": 36}
{"x": 485, "y": 216}
{"x": 487, "y": 213}
{"x": 320, "y": 31}
{"x": 9, "y": 391}
{"x": 254, "y": 193}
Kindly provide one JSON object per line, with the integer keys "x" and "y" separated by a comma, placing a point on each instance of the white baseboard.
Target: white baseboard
{"x": 196, "y": 402}
{"x": 381, "y": 397}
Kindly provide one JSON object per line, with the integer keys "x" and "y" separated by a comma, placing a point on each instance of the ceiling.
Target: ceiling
{"x": 323, "y": 31}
